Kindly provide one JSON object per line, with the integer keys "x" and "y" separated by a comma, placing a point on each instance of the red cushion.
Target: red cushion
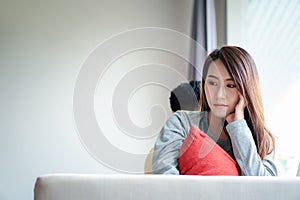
{"x": 200, "y": 155}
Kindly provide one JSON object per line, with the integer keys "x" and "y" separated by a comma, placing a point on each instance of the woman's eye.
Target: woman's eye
{"x": 212, "y": 83}
{"x": 231, "y": 85}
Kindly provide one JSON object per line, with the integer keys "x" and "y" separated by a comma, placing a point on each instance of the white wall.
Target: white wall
{"x": 43, "y": 45}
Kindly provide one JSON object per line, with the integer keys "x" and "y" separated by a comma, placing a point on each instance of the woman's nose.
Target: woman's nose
{"x": 221, "y": 93}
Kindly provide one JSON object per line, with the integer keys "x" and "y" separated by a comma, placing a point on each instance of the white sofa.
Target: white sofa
{"x": 146, "y": 187}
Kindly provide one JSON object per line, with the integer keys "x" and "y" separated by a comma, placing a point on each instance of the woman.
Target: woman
{"x": 231, "y": 113}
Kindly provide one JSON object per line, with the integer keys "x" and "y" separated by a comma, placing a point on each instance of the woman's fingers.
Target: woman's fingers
{"x": 239, "y": 110}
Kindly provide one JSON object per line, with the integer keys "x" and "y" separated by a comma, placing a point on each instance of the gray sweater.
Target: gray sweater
{"x": 241, "y": 145}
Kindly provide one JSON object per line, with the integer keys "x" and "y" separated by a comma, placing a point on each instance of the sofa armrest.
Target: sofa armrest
{"x": 117, "y": 187}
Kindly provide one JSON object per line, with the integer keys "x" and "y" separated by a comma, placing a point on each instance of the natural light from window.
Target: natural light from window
{"x": 269, "y": 30}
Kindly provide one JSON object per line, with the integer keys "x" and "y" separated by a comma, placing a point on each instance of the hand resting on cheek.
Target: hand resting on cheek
{"x": 238, "y": 112}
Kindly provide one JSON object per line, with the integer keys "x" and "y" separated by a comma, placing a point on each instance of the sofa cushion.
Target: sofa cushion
{"x": 200, "y": 155}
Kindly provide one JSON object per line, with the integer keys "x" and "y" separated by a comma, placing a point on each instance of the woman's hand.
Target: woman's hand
{"x": 238, "y": 112}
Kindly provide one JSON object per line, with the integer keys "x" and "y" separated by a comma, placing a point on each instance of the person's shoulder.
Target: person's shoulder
{"x": 190, "y": 115}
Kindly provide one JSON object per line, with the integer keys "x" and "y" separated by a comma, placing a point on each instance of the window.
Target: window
{"x": 269, "y": 30}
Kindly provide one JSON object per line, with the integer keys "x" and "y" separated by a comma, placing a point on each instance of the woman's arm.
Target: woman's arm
{"x": 245, "y": 151}
{"x": 167, "y": 146}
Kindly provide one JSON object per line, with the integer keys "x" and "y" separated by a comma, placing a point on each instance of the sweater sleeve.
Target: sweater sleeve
{"x": 167, "y": 147}
{"x": 245, "y": 151}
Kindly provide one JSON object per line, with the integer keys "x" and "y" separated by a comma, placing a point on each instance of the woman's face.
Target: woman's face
{"x": 220, "y": 89}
